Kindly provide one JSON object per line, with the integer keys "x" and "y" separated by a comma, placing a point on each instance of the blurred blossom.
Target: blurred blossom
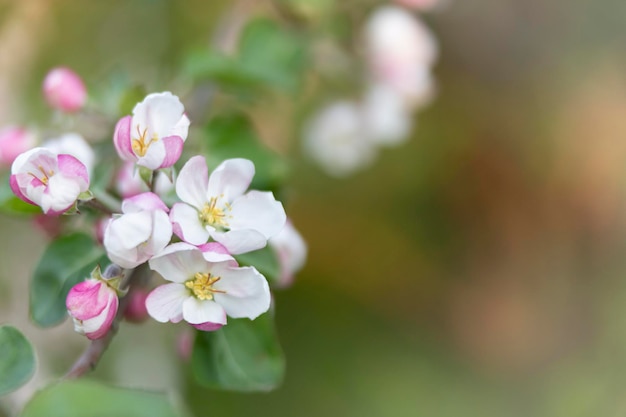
{"x": 64, "y": 90}
{"x": 136, "y": 311}
{"x": 422, "y": 5}
{"x": 14, "y": 140}
{"x": 387, "y": 120}
{"x": 75, "y": 145}
{"x": 291, "y": 250}
{"x": 335, "y": 139}
{"x": 129, "y": 183}
{"x": 400, "y": 51}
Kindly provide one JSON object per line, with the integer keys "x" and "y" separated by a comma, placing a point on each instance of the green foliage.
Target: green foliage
{"x": 86, "y": 398}
{"x": 233, "y": 136}
{"x": 66, "y": 261}
{"x": 17, "y": 359}
{"x": 130, "y": 97}
{"x": 264, "y": 260}
{"x": 10, "y": 204}
{"x": 268, "y": 56}
{"x": 244, "y": 355}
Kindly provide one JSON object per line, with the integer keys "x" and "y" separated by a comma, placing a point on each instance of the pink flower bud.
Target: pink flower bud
{"x": 136, "y": 311}
{"x": 92, "y": 304}
{"x": 64, "y": 90}
{"x": 14, "y": 141}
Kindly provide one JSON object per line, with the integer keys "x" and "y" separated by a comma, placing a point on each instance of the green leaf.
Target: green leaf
{"x": 264, "y": 260}
{"x": 17, "y": 359}
{"x": 10, "y": 204}
{"x": 66, "y": 261}
{"x": 244, "y": 355}
{"x": 233, "y": 136}
{"x": 273, "y": 54}
{"x": 85, "y": 398}
{"x": 130, "y": 98}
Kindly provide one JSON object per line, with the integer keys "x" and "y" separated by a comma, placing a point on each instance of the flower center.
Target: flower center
{"x": 214, "y": 216}
{"x": 201, "y": 285}
{"x": 140, "y": 146}
{"x": 45, "y": 175}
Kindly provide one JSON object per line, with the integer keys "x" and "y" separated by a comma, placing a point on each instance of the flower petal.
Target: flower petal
{"x": 240, "y": 241}
{"x": 178, "y": 262}
{"x": 208, "y": 326}
{"x": 231, "y": 178}
{"x": 143, "y": 202}
{"x": 154, "y": 157}
{"x": 197, "y": 311}
{"x": 187, "y": 225}
{"x": 99, "y": 326}
{"x": 173, "y": 150}
{"x": 159, "y": 112}
{"x": 122, "y": 139}
{"x": 247, "y": 292}
{"x": 258, "y": 211}
{"x": 72, "y": 168}
{"x": 165, "y": 302}
{"x": 192, "y": 182}
{"x": 181, "y": 128}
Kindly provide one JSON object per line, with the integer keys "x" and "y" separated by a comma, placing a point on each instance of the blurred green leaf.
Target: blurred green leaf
{"x": 86, "y": 398}
{"x": 273, "y": 54}
{"x": 244, "y": 355}
{"x": 130, "y": 97}
{"x": 66, "y": 261}
{"x": 10, "y": 204}
{"x": 220, "y": 68}
{"x": 17, "y": 359}
{"x": 233, "y": 136}
{"x": 264, "y": 260}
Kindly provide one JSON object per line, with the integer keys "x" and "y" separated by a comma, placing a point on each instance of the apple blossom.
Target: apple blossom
{"x": 64, "y": 90}
{"x": 218, "y": 207}
{"x": 53, "y": 182}
{"x": 336, "y": 139}
{"x": 14, "y": 140}
{"x": 386, "y": 119}
{"x": 205, "y": 286}
{"x": 153, "y": 136}
{"x": 129, "y": 183}
{"x": 75, "y": 145}
{"x": 291, "y": 250}
{"x": 142, "y": 231}
{"x": 93, "y": 304}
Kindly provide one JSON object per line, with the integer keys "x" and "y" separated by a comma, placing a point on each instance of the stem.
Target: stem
{"x": 93, "y": 353}
{"x": 108, "y": 203}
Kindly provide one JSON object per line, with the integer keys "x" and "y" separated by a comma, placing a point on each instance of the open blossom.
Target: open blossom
{"x": 218, "y": 207}
{"x": 64, "y": 90}
{"x": 291, "y": 250}
{"x": 142, "y": 231}
{"x": 48, "y": 180}
{"x": 92, "y": 304}
{"x": 75, "y": 145}
{"x": 337, "y": 140}
{"x": 153, "y": 136}
{"x": 205, "y": 286}
{"x": 401, "y": 52}
{"x": 14, "y": 140}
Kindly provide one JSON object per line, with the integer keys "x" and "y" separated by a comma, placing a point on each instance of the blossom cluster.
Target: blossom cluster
{"x": 400, "y": 51}
{"x": 190, "y": 241}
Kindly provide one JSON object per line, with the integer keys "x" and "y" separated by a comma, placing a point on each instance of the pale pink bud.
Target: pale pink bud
{"x": 64, "y": 90}
{"x": 92, "y": 304}
{"x": 14, "y": 140}
{"x": 136, "y": 311}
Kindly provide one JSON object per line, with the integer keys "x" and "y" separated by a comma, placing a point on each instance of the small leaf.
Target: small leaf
{"x": 10, "y": 204}
{"x": 233, "y": 136}
{"x": 264, "y": 260}
{"x": 66, "y": 261}
{"x": 244, "y": 355}
{"x": 17, "y": 359}
{"x": 87, "y": 398}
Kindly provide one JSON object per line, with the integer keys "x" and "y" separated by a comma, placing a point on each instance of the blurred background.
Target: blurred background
{"x": 477, "y": 270}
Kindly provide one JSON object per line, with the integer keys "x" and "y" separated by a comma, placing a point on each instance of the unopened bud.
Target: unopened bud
{"x": 64, "y": 90}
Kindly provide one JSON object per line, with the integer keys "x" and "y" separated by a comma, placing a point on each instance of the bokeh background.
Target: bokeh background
{"x": 478, "y": 270}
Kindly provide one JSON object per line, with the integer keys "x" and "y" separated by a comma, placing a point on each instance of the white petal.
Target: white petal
{"x": 128, "y": 231}
{"x": 187, "y": 224}
{"x": 192, "y": 182}
{"x": 197, "y": 311}
{"x": 240, "y": 241}
{"x": 159, "y": 112}
{"x": 165, "y": 303}
{"x": 161, "y": 232}
{"x": 258, "y": 211}
{"x": 154, "y": 156}
{"x": 181, "y": 128}
{"x": 61, "y": 193}
{"x": 179, "y": 262}
{"x": 231, "y": 178}
{"x": 247, "y": 292}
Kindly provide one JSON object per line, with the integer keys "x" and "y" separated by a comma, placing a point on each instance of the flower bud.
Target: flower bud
{"x": 64, "y": 90}
{"x": 92, "y": 304}
{"x": 136, "y": 311}
{"x": 14, "y": 141}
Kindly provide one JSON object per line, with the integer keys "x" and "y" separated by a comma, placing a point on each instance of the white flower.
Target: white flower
{"x": 219, "y": 207}
{"x": 48, "y": 180}
{"x": 387, "y": 120}
{"x": 337, "y": 140}
{"x": 153, "y": 137}
{"x": 75, "y": 145}
{"x": 291, "y": 250}
{"x": 141, "y": 232}
{"x": 206, "y": 285}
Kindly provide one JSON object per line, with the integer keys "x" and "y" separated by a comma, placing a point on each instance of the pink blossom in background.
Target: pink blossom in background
{"x": 64, "y": 90}
{"x": 14, "y": 140}
{"x": 291, "y": 250}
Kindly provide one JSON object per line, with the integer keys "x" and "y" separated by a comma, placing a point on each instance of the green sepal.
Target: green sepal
{"x": 146, "y": 175}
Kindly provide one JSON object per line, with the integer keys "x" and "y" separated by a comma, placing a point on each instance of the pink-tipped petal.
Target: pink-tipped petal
{"x": 200, "y": 311}
{"x": 84, "y": 300}
{"x": 173, "y": 150}
{"x": 122, "y": 139}
{"x": 165, "y": 302}
{"x": 16, "y": 190}
{"x": 187, "y": 225}
{"x": 144, "y": 202}
{"x": 104, "y": 322}
{"x": 208, "y": 326}
{"x": 72, "y": 167}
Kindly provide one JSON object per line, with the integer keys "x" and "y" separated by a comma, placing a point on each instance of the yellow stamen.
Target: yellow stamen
{"x": 46, "y": 175}
{"x": 140, "y": 146}
{"x": 213, "y": 215}
{"x": 202, "y": 286}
